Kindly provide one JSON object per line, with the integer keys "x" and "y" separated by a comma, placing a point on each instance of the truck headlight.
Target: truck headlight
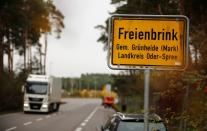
{"x": 44, "y": 106}
{"x": 26, "y": 104}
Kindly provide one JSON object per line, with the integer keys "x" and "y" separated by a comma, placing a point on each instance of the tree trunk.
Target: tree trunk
{"x": 190, "y": 61}
{"x": 24, "y": 48}
{"x": 40, "y": 53}
{"x": 1, "y": 58}
{"x": 1, "y": 54}
{"x": 12, "y": 58}
{"x": 25, "y": 56}
{"x": 9, "y": 59}
{"x": 45, "y": 58}
{"x": 181, "y": 6}
{"x": 9, "y": 52}
{"x": 196, "y": 56}
{"x": 159, "y": 9}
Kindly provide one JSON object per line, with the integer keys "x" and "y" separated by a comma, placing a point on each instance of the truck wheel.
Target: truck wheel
{"x": 55, "y": 106}
{"x": 50, "y": 108}
{"x": 58, "y": 105}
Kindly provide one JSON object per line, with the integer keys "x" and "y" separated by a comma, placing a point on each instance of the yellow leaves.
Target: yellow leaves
{"x": 105, "y": 92}
{"x": 89, "y": 93}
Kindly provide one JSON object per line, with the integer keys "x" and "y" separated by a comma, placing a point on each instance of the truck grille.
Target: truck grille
{"x": 35, "y": 106}
{"x": 36, "y": 99}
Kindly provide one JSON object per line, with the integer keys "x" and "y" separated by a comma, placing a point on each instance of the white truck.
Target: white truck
{"x": 42, "y": 93}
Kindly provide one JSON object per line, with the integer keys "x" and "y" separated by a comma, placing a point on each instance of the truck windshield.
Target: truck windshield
{"x": 36, "y": 88}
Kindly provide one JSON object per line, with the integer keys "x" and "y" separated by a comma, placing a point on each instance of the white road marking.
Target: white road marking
{"x": 27, "y": 123}
{"x": 83, "y": 124}
{"x": 39, "y": 119}
{"x": 48, "y": 116}
{"x": 78, "y": 129}
{"x": 12, "y": 128}
{"x": 87, "y": 119}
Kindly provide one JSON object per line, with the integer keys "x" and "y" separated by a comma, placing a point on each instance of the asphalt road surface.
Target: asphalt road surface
{"x": 74, "y": 115}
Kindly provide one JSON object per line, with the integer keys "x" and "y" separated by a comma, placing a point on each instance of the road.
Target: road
{"x": 74, "y": 115}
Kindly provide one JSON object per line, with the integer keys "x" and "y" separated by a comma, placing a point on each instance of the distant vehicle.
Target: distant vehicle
{"x": 42, "y": 94}
{"x": 108, "y": 96}
{"x": 108, "y": 101}
{"x": 133, "y": 122}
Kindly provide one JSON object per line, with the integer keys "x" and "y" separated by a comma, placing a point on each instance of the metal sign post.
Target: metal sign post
{"x": 146, "y": 99}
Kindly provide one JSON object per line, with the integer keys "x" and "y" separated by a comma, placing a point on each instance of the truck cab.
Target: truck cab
{"x": 41, "y": 94}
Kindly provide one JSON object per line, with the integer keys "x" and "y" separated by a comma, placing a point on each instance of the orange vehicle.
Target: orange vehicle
{"x": 108, "y": 101}
{"x": 108, "y": 96}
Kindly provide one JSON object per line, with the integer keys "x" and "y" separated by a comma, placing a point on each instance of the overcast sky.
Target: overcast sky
{"x": 77, "y": 51}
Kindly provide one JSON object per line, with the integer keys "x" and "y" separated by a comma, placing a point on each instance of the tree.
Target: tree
{"x": 23, "y": 22}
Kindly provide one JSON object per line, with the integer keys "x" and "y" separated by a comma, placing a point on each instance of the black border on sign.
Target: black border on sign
{"x": 154, "y": 18}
